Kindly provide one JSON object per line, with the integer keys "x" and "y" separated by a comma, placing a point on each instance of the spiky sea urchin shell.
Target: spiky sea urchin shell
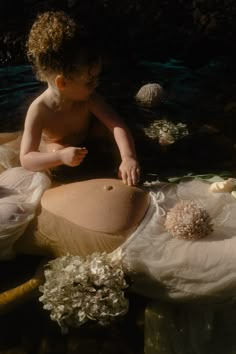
{"x": 186, "y": 220}
{"x": 150, "y": 95}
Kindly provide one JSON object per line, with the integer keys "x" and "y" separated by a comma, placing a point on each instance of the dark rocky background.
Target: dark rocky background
{"x": 193, "y": 30}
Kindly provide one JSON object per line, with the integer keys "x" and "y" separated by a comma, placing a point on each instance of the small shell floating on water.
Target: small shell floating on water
{"x": 226, "y": 186}
{"x": 150, "y": 95}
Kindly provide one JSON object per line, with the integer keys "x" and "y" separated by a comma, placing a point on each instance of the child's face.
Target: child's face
{"x": 82, "y": 85}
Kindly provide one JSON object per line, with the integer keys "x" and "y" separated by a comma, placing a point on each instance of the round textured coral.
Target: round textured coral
{"x": 186, "y": 220}
{"x": 150, "y": 95}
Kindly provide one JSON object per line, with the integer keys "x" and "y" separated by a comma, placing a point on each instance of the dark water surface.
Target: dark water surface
{"x": 17, "y": 87}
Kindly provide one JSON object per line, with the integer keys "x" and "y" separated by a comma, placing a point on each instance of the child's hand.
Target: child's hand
{"x": 129, "y": 171}
{"x": 72, "y": 156}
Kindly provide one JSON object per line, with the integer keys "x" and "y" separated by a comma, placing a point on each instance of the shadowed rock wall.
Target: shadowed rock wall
{"x": 193, "y": 30}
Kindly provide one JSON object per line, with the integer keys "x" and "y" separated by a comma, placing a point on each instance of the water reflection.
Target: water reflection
{"x": 17, "y": 89}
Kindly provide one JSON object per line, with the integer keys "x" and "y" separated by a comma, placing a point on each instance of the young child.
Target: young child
{"x": 64, "y": 57}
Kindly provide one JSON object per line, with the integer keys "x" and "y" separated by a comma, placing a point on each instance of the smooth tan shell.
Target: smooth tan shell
{"x": 226, "y": 186}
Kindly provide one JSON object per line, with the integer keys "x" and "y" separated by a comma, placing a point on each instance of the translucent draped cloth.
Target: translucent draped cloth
{"x": 20, "y": 193}
{"x": 171, "y": 268}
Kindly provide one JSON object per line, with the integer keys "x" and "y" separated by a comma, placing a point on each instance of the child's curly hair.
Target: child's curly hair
{"x": 56, "y": 44}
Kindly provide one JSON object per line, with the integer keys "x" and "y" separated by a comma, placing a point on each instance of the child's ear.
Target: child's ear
{"x": 60, "y": 82}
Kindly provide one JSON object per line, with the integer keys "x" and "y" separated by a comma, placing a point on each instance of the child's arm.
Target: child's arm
{"x": 31, "y": 158}
{"x": 129, "y": 169}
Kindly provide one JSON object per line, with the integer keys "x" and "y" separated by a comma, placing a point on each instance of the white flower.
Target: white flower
{"x": 80, "y": 289}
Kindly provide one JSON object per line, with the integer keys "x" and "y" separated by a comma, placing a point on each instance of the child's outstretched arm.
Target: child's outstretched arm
{"x": 129, "y": 169}
{"x": 30, "y": 156}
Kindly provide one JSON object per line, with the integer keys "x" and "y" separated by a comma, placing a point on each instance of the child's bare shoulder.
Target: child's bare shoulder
{"x": 38, "y": 107}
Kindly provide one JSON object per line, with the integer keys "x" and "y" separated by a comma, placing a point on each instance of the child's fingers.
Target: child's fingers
{"x": 81, "y": 151}
{"x": 132, "y": 177}
{"x": 79, "y": 156}
{"x": 124, "y": 177}
{"x": 130, "y": 180}
{"x": 136, "y": 176}
{"x": 76, "y": 162}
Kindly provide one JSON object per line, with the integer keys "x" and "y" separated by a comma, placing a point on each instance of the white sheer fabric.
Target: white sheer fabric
{"x": 9, "y": 150}
{"x": 171, "y": 268}
{"x": 20, "y": 193}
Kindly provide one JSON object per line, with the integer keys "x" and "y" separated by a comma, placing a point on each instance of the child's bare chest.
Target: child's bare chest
{"x": 65, "y": 126}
